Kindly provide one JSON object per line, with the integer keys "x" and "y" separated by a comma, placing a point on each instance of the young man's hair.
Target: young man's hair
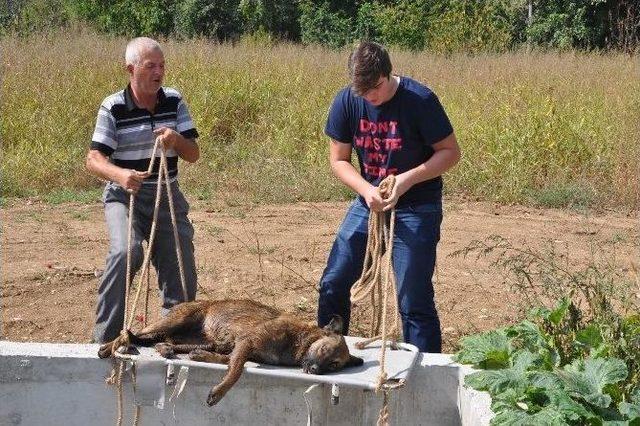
{"x": 367, "y": 63}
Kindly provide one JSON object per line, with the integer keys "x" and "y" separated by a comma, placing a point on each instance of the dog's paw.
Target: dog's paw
{"x": 165, "y": 350}
{"x": 199, "y": 355}
{"x": 105, "y": 351}
{"x": 215, "y": 396}
{"x": 128, "y": 350}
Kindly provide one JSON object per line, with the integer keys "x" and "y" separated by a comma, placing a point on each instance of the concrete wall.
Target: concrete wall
{"x": 63, "y": 384}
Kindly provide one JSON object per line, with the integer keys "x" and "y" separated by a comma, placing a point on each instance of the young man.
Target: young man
{"x": 128, "y": 123}
{"x": 397, "y": 126}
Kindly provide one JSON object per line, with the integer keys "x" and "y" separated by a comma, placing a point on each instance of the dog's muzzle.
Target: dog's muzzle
{"x": 309, "y": 368}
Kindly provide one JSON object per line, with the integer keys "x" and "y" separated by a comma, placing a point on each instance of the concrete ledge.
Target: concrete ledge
{"x": 64, "y": 384}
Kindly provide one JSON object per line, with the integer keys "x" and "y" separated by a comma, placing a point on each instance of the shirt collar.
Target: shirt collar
{"x": 131, "y": 105}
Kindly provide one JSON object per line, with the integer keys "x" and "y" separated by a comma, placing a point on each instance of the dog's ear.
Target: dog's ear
{"x": 354, "y": 361}
{"x": 335, "y": 325}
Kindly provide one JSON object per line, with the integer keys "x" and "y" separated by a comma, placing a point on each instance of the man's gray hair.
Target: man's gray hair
{"x": 137, "y": 46}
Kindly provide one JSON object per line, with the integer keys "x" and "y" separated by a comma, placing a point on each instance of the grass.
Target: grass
{"x": 563, "y": 196}
{"x": 68, "y": 195}
{"x": 534, "y": 127}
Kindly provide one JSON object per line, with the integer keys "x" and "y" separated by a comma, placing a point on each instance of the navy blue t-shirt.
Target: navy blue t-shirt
{"x": 393, "y": 137}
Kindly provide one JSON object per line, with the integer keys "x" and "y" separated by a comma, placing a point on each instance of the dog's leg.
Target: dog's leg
{"x": 178, "y": 320}
{"x": 202, "y": 355}
{"x": 238, "y": 357}
{"x": 169, "y": 350}
{"x": 185, "y": 348}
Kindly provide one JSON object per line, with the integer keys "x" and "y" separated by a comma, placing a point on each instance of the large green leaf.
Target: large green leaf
{"x": 497, "y": 381}
{"x": 590, "y": 336}
{"x": 528, "y": 335}
{"x": 547, "y": 380}
{"x": 536, "y": 400}
{"x": 486, "y": 350}
{"x": 570, "y": 409}
{"x": 517, "y": 417}
{"x": 557, "y": 315}
{"x": 587, "y": 378}
{"x": 631, "y": 409}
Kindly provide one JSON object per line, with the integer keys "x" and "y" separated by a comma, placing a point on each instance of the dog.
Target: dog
{"x": 234, "y": 331}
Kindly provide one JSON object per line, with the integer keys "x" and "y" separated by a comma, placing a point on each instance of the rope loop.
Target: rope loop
{"x": 123, "y": 338}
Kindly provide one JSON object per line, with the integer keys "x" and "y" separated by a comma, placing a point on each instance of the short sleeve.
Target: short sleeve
{"x": 338, "y": 125}
{"x": 184, "y": 123}
{"x": 104, "y": 134}
{"x": 434, "y": 122}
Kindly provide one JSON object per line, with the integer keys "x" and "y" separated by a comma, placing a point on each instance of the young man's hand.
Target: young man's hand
{"x": 374, "y": 199}
{"x": 401, "y": 186}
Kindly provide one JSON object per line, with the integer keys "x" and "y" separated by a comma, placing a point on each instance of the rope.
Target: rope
{"x": 124, "y": 336}
{"x": 383, "y": 417}
{"x": 378, "y": 282}
{"x": 176, "y": 237}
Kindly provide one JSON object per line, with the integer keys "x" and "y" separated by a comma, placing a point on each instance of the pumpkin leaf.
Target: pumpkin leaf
{"x": 488, "y": 350}
{"x": 587, "y": 378}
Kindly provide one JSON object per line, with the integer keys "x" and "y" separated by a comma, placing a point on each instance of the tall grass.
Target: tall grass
{"x": 528, "y": 123}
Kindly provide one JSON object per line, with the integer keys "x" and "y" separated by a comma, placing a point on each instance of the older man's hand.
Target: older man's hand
{"x": 168, "y": 138}
{"x": 131, "y": 180}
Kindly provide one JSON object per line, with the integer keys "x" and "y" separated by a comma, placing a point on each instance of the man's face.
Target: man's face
{"x": 381, "y": 92}
{"x": 148, "y": 74}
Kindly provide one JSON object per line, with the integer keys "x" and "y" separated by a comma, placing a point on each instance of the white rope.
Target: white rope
{"x": 124, "y": 338}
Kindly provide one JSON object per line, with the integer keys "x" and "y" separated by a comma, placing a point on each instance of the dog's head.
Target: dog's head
{"x": 330, "y": 352}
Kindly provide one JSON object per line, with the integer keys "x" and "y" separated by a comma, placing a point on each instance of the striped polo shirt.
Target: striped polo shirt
{"x": 124, "y": 132}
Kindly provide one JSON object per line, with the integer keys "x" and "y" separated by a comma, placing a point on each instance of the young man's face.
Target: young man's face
{"x": 148, "y": 74}
{"x": 381, "y": 92}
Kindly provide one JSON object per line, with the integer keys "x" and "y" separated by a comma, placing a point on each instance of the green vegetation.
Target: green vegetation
{"x": 545, "y": 128}
{"x": 437, "y": 25}
{"x": 65, "y": 195}
{"x": 573, "y": 363}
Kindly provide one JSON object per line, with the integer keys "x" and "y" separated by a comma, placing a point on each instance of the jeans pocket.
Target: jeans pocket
{"x": 114, "y": 193}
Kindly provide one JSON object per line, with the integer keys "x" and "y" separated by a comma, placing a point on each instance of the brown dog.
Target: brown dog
{"x": 234, "y": 331}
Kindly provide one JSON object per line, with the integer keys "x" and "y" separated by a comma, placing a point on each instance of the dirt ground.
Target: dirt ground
{"x": 52, "y": 255}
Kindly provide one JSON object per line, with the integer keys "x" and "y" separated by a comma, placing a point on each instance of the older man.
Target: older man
{"x": 128, "y": 123}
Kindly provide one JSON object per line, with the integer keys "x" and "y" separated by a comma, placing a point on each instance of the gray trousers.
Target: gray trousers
{"x": 111, "y": 293}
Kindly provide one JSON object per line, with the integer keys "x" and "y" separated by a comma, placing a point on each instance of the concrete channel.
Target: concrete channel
{"x": 64, "y": 384}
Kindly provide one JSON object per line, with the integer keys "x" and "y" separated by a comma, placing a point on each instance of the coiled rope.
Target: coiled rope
{"x": 378, "y": 282}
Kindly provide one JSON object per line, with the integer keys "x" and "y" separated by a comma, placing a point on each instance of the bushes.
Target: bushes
{"x": 462, "y": 25}
{"x": 321, "y": 25}
{"x": 436, "y": 25}
{"x": 34, "y": 16}
{"x": 205, "y": 18}
{"x": 127, "y": 17}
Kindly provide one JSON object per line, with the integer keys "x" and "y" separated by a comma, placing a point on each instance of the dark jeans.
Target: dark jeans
{"x": 110, "y": 306}
{"x": 417, "y": 232}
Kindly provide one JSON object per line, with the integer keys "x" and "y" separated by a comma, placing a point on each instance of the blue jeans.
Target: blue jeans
{"x": 417, "y": 232}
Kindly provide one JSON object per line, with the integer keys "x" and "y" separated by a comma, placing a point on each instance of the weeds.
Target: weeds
{"x": 533, "y": 127}
{"x": 544, "y": 277}
{"x": 561, "y": 196}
